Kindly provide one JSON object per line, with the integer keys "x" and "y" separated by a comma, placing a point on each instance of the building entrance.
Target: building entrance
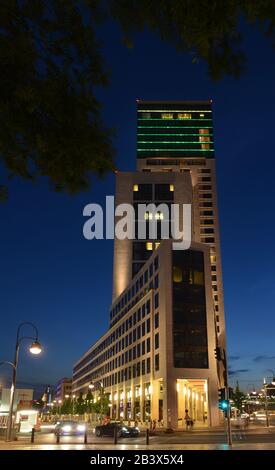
{"x": 192, "y": 402}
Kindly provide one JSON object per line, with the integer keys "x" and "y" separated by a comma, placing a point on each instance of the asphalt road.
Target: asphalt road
{"x": 257, "y": 436}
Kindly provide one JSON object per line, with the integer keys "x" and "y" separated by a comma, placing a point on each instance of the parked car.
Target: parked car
{"x": 122, "y": 430}
{"x": 69, "y": 428}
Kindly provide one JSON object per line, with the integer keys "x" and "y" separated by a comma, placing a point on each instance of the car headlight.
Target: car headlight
{"x": 81, "y": 427}
{"x": 67, "y": 428}
{"x": 137, "y": 429}
{"x": 124, "y": 429}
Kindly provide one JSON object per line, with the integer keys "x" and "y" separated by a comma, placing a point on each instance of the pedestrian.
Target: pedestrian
{"x": 240, "y": 427}
{"x": 188, "y": 420}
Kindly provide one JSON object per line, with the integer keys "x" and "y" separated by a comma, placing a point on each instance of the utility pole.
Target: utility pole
{"x": 227, "y": 394}
{"x": 220, "y": 355}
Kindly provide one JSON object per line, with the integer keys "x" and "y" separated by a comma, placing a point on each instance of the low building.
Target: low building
{"x": 22, "y": 395}
{"x": 63, "y": 388}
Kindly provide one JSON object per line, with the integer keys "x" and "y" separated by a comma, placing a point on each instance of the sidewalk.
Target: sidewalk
{"x": 217, "y": 430}
{"x": 107, "y": 447}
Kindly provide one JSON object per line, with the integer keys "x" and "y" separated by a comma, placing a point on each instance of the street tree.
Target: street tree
{"x": 51, "y": 66}
{"x": 238, "y": 398}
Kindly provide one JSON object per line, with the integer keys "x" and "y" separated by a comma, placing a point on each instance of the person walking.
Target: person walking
{"x": 188, "y": 421}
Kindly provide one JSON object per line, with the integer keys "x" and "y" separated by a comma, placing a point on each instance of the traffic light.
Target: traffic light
{"x": 224, "y": 405}
{"x": 221, "y": 394}
{"x": 218, "y": 353}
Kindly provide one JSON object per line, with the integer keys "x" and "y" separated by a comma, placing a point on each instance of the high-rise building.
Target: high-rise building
{"x": 157, "y": 358}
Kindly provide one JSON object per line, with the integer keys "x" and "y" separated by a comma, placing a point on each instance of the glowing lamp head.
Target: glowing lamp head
{"x": 35, "y": 348}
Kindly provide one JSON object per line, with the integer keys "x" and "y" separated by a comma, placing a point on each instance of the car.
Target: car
{"x": 122, "y": 430}
{"x": 69, "y": 428}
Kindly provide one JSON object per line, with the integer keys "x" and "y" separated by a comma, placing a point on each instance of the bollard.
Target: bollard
{"x": 85, "y": 437}
{"x": 115, "y": 435}
{"x": 32, "y": 435}
{"x": 147, "y": 437}
{"x": 58, "y": 436}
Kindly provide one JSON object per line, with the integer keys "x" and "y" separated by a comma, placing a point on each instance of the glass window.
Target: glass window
{"x": 148, "y": 345}
{"x": 144, "y": 192}
{"x": 184, "y": 116}
{"x": 156, "y": 340}
{"x": 138, "y": 332}
{"x": 166, "y": 115}
{"x": 143, "y": 328}
{"x": 156, "y": 281}
{"x": 148, "y": 325}
{"x": 139, "y": 315}
{"x": 156, "y": 300}
{"x": 143, "y": 367}
{"x": 156, "y": 362}
{"x": 143, "y": 310}
{"x": 148, "y": 306}
{"x": 148, "y": 365}
{"x": 163, "y": 192}
{"x": 156, "y": 320}
{"x": 189, "y": 311}
{"x": 143, "y": 348}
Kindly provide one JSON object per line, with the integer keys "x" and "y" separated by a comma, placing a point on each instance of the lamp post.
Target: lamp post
{"x": 73, "y": 403}
{"x": 35, "y": 348}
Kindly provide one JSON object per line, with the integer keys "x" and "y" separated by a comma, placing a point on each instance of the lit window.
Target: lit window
{"x": 177, "y": 274}
{"x": 171, "y": 187}
{"x": 148, "y": 215}
{"x": 166, "y": 115}
{"x": 213, "y": 259}
{"x": 157, "y": 244}
{"x": 204, "y": 138}
{"x": 184, "y": 116}
{"x": 159, "y": 216}
{"x": 201, "y": 115}
{"x": 149, "y": 246}
{"x": 135, "y": 187}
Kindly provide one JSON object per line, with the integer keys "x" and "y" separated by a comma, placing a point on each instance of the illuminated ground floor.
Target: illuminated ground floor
{"x": 152, "y": 401}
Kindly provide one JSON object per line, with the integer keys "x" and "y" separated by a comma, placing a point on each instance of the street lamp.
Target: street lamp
{"x": 35, "y": 348}
{"x": 73, "y": 403}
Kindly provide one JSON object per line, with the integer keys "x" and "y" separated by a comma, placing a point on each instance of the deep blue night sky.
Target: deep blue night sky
{"x": 54, "y": 277}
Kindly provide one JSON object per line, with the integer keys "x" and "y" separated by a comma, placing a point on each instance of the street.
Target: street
{"x": 197, "y": 440}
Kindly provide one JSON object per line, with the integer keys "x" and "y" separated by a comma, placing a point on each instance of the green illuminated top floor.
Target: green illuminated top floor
{"x": 174, "y": 129}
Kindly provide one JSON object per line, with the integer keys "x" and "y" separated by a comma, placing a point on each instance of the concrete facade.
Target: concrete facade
{"x": 136, "y": 359}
